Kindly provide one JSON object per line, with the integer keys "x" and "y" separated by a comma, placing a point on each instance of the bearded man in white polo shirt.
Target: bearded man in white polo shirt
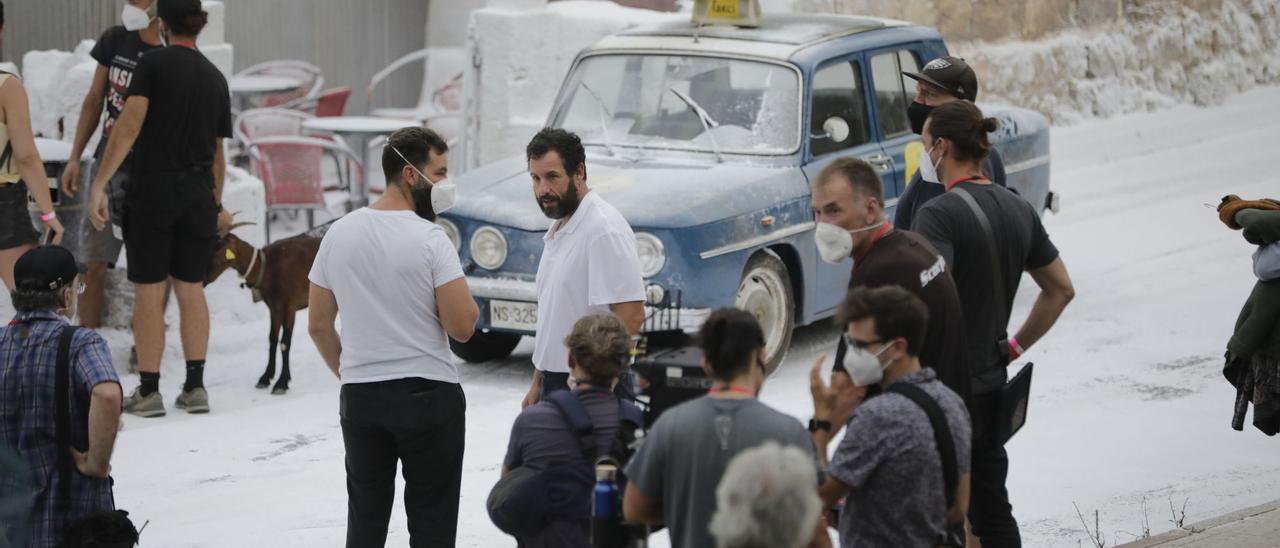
{"x": 589, "y": 263}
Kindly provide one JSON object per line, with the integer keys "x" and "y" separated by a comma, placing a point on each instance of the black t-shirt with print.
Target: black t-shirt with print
{"x": 119, "y": 51}
{"x": 189, "y": 109}
{"x": 1023, "y": 244}
{"x": 907, "y": 260}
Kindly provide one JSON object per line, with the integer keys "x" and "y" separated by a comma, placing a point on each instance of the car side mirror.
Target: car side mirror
{"x": 834, "y": 128}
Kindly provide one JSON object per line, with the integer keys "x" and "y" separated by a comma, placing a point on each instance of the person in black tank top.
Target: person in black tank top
{"x": 956, "y": 136}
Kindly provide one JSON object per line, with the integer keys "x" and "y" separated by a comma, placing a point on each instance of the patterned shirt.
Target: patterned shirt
{"x": 889, "y": 458}
{"x": 28, "y": 354}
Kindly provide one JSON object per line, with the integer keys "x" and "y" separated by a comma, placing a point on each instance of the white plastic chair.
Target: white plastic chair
{"x": 440, "y": 101}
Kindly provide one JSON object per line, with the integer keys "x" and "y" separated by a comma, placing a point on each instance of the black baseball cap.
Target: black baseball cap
{"x": 951, "y": 74}
{"x": 45, "y": 268}
{"x": 176, "y": 10}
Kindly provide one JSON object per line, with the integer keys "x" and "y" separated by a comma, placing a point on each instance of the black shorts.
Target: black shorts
{"x": 16, "y": 228}
{"x": 170, "y": 226}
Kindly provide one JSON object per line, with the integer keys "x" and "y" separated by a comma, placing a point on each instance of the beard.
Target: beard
{"x": 559, "y": 207}
{"x": 421, "y": 195}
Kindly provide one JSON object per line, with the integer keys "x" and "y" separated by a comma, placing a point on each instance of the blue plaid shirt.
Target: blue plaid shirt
{"x": 28, "y": 354}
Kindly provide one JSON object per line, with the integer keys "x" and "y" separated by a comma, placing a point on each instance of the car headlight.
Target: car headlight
{"x": 451, "y": 230}
{"x": 653, "y": 256}
{"x": 488, "y": 248}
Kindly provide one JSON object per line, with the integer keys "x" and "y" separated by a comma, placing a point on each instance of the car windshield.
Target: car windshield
{"x": 682, "y": 102}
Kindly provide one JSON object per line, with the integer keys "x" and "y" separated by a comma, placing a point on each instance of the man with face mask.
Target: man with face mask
{"x": 117, "y": 53}
{"x": 47, "y": 287}
{"x": 887, "y": 464}
{"x": 941, "y": 81}
{"x": 173, "y": 123}
{"x": 589, "y": 263}
{"x": 848, "y": 203}
{"x": 396, "y": 278}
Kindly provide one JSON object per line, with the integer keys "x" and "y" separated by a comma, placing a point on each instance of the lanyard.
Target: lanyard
{"x": 734, "y": 389}
{"x": 191, "y": 45}
{"x": 953, "y": 184}
{"x": 880, "y": 234}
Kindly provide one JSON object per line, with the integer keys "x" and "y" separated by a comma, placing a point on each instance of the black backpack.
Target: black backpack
{"x": 525, "y": 500}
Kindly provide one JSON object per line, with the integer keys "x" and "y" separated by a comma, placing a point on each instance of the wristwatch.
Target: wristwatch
{"x": 816, "y": 425}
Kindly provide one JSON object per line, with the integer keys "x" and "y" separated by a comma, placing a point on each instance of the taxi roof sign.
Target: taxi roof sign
{"x": 742, "y": 13}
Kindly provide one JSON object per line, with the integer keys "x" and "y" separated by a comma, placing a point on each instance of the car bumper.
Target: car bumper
{"x": 657, "y": 318}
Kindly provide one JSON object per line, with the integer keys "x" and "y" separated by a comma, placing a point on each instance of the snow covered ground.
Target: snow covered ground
{"x": 1129, "y": 402}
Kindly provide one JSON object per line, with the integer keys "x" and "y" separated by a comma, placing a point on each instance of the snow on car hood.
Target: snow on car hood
{"x": 649, "y": 194}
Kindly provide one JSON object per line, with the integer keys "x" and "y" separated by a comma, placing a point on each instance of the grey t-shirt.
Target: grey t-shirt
{"x": 890, "y": 460}
{"x": 541, "y": 436}
{"x": 688, "y": 449}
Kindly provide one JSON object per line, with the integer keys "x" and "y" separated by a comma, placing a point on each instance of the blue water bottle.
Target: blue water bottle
{"x": 606, "y": 509}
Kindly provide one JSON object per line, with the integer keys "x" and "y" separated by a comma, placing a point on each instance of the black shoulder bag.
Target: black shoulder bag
{"x": 1016, "y": 394}
{"x": 953, "y": 536}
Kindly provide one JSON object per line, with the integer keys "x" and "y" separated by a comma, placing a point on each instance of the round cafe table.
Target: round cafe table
{"x": 246, "y": 87}
{"x": 357, "y": 131}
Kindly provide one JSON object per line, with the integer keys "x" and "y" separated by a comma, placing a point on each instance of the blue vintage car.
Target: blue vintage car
{"x": 706, "y": 140}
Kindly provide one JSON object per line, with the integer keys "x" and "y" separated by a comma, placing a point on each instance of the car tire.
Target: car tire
{"x": 765, "y": 292}
{"x": 484, "y": 347}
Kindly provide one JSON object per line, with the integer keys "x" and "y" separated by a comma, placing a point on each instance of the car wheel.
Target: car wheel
{"x": 485, "y": 346}
{"x": 765, "y": 292}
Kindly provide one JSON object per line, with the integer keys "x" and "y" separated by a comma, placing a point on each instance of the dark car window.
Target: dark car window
{"x": 837, "y": 91}
{"x": 891, "y": 90}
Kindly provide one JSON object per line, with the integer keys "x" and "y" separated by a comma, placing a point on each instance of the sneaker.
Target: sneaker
{"x": 195, "y": 400}
{"x": 151, "y": 405}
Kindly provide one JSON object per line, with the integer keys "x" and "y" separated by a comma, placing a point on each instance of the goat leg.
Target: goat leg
{"x": 282, "y": 384}
{"x": 273, "y": 340}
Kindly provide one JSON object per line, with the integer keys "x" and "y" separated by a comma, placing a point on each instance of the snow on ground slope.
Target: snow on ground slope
{"x": 1129, "y": 403}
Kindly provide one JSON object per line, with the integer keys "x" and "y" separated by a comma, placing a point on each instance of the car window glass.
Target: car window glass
{"x": 891, "y": 94}
{"x": 837, "y": 92}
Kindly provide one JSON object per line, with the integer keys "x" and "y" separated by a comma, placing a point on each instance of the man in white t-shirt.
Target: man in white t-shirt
{"x": 397, "y": 280}
{"x": 589, "y": 263}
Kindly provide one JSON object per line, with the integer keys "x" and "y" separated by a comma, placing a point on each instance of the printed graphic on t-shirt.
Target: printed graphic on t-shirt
{"x": 118, "y": 78}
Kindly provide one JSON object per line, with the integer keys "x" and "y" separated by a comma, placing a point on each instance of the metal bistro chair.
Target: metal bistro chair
{"x": 291, "y": 171}
{"x": 263, "y": 122}
{"x": 330, "y": 102}
{"x": 307, "y": 74}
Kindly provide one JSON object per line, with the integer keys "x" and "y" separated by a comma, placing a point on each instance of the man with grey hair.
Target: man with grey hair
{"x": 766, "y": 500}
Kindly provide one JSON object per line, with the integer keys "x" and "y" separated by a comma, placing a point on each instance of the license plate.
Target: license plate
{"x": 513, "y": 315}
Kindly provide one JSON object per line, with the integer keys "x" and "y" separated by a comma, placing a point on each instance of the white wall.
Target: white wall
{"x": 525, "y": 48}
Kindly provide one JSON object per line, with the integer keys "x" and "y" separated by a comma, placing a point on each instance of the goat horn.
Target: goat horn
{"x": 239, "y": 224}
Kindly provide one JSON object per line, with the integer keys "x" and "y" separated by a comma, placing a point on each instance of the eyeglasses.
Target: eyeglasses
{"x": 861, "y": 345}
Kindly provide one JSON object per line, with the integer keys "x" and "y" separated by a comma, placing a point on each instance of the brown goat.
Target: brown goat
{"x": 277, "y": 275}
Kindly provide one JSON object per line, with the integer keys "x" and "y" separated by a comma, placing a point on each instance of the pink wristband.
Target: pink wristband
{"x": 1015, "y": 349}
{"x": 49, "y": 216}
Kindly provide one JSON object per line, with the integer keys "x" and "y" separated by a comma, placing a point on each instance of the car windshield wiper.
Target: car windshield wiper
{"x": 605, "y": 116}
{"x": 707, "y": 122}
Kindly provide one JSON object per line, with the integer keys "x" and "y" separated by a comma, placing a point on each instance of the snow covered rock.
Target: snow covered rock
{"x": 43, "y": 75}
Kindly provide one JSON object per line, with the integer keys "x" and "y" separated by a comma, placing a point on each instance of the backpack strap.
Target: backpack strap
{"x": 62, "y": 406}
{"x": 941, "y": 434}
{"x": 574, "y": 413}
{"x": 997, "y": 277}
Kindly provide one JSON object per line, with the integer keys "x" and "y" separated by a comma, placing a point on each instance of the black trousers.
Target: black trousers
{"x": 421, "y": 424}
{"x": 990, "y": 513}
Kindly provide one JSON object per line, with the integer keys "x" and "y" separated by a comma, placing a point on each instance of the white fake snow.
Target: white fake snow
{"x": 1129, "y": 402}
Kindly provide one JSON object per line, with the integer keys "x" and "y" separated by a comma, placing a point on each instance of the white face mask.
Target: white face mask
{"x": 864, "y": 367}
{"x": 134, "y": 18}
{"x": 929, "y": 168}
{"x": 444, "y": 194}
{"x": 835, "y": 244}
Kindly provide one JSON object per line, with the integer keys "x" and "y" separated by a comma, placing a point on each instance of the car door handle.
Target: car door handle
{"x": 880, "y": 162}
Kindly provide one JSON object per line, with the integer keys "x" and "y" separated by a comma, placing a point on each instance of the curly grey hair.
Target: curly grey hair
{"x": 767, "y": 498}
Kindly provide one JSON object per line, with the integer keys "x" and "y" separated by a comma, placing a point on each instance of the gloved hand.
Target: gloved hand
{"x": 1232, "y": 204}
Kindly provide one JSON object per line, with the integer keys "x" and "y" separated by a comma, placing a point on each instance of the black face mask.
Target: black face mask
{"x": 918, "y": 113}
{"x": 421, "y": 194}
